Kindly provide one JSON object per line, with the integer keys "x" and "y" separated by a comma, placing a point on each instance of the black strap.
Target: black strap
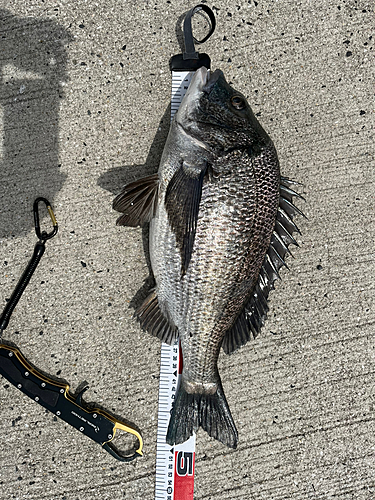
{"x": 189, "y": 38}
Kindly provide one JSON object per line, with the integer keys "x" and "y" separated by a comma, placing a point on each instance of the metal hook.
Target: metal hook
{"x": 119, "y": 454}
{"x": 44, "y": 235}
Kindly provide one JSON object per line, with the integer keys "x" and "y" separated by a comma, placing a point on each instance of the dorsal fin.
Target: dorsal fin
{"x": 137, "y": 201}
{"x": 249, "y": 322}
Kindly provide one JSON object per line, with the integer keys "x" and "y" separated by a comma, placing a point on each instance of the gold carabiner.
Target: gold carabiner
{"x": 44, "y": 235}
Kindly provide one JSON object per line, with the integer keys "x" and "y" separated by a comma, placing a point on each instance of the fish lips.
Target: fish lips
{"x": 211, "y": 79}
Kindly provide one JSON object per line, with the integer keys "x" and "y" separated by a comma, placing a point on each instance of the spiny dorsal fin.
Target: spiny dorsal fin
{"x": 252, "y": 317}
{"x": 153, "y": 320}
{"x": 137, "y": 201}
{"x": 182, "y": 200}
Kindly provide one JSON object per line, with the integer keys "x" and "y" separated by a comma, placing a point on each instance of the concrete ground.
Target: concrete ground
{"x": 83, "y": 91}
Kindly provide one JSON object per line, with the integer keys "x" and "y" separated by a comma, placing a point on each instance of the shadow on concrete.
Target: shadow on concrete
{"x": 33, "y": 72}
{"x": 114, "y": 180}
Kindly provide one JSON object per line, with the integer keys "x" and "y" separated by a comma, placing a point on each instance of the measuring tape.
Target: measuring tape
{"x": 175, "y": 464}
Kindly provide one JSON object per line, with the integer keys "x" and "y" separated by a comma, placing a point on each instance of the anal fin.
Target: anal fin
{"x": 154, "y": 321}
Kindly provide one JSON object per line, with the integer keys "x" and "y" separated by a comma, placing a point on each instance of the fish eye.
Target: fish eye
{"x": 238, "y": 102}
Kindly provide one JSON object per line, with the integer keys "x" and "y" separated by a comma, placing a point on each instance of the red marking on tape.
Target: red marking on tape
{"x": 180, "y": 360}
{"x": 184, "y": 475}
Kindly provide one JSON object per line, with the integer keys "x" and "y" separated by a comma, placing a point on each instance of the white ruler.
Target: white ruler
{"x": 180, "y": 83}
{"x": 174, "y": 465}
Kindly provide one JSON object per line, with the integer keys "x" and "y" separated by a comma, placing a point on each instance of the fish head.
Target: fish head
{"x": 219, "y": 116}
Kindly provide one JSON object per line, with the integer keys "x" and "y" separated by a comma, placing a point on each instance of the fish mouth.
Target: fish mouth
{"x": 201, "y": 84}
{"x": 210, "y": 80}
{"x": 204, "y": 79}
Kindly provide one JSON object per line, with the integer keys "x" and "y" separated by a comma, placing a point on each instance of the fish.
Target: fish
{"x": 220, "y": 224}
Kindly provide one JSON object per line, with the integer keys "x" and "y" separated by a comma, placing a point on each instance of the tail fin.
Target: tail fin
{"x": 209, "y": 411}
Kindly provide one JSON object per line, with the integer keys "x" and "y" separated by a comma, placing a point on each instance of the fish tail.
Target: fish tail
{"x": 209, "y": 411}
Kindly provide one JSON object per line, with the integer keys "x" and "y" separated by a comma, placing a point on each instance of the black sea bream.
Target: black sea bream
{"x": 220, "y": 224}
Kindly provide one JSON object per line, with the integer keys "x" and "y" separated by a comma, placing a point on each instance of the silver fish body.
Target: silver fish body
{"x": 213, "y": 209}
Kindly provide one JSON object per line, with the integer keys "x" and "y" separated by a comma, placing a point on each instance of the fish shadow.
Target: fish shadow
{"x": 114, "y": 179}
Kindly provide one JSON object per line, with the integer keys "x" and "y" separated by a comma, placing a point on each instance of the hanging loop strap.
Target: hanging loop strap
{"x": 189, "y": 38}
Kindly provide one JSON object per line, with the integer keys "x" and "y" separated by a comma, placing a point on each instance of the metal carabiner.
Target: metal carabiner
{"x": 43, "y": 236}
{"x": 32, "y": 265}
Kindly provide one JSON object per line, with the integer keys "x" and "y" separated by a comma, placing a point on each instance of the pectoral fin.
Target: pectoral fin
{"x": 137, "y": 201}
{"x": 182, "y": 200}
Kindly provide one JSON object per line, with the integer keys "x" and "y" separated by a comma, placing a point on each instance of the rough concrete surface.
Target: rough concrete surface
{"x": 84, "y": 108}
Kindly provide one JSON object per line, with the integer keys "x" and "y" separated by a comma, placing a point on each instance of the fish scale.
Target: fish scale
{"x": 216, "y": 283}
